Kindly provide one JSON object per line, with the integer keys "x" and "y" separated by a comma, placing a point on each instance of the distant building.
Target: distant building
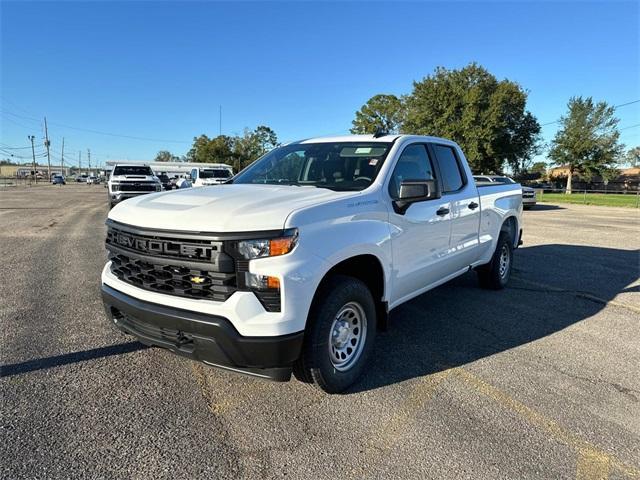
{"x": 628, "y": 180}
{"x": 25, "y": 170}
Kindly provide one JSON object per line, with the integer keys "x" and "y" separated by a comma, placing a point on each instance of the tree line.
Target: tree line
{"x": 487, "y": 117}
{"x": 237, "y": 151}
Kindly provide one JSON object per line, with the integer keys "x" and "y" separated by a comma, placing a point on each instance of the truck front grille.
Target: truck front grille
{"x": 137, "y": 187}
{"x": 172, "y": 279}
{"x": 185, "y": 265}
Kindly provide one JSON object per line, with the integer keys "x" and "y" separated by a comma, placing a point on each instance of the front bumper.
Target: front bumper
{"x": 207, "y": 338}
{"x": 529, "y": 200}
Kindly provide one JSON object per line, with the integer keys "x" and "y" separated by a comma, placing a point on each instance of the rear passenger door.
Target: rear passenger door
{"x": 461, "y": 191}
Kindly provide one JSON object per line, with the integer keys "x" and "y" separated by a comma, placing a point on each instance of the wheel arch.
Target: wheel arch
{"x": 368, "y": 269}
{"x": 511, "y": 226}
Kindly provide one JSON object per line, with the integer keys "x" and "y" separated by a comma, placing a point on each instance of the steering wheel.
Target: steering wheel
{"x": 366, "y": 179}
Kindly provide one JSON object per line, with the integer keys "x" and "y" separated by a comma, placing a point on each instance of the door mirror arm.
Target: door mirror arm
{"x": 413, "y": 191}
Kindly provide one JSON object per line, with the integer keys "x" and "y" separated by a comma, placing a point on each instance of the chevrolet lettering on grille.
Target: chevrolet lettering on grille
{"x": 163, "y": 247}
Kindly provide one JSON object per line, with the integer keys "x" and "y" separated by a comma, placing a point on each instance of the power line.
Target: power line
{"x": 630, "y": 126}
{"x": 8, "y": 147}
{"x": 615, "y": 107}
{"x": 99, "y": 132}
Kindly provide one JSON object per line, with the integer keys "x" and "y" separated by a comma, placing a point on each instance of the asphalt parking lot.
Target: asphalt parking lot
{"x": 540, "y": 380}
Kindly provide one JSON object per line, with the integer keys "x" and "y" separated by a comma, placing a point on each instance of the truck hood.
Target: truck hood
{"x": 221, "y": 208}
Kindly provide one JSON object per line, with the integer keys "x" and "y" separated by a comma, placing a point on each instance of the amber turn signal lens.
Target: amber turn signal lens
{"x": 280, "y": 246}
{"x": 273, "y": 282}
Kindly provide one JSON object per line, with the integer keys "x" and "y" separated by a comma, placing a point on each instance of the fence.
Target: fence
{"x": 22, "y": 181}
{"x": 602, "y": 197}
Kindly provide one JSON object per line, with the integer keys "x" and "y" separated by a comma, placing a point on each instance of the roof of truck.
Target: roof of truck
{"x": 369, "y": 138}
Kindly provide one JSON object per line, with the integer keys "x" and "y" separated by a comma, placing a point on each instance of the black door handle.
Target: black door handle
{"x": 473, "y": 205}
{"x": 442, "y": 211}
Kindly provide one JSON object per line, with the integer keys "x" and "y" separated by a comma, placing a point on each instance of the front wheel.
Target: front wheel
{"x": 340, "y": 334}
{"x": 495, "y": 275}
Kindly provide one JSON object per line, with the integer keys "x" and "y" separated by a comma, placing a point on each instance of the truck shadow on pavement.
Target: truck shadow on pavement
{"x": 552, "y": 288}
{"x": 68, "y": 358}
{"x": 547, "y": 206}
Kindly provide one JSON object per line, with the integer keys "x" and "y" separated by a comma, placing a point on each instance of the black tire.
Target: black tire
{"x": 492, "y": 276}
{"x": 319, "y": 363}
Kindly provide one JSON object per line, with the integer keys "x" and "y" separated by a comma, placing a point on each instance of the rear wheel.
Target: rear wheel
{"x": 495, "y": 275}
{"x": 339, "y": 337}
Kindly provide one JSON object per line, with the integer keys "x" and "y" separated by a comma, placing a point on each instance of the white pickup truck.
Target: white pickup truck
{"x": 295, "y": 264}
{"x": 128, "y": 181}
{"x": 214, "y": 175}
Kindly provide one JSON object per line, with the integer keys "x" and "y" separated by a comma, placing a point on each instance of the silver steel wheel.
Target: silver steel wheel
{"x": 347, "y": 336}
{"x": 505, "y": 259}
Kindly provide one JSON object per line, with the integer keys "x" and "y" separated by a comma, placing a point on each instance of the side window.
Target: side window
{"x": 413, "y": 164}
{"x": 194, "y": 173}
{"x": 449, "y": 168}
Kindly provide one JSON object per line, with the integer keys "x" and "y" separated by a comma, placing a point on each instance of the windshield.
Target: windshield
{"x": 333, "y": 165}
{"x": 163, "y": 177}
{"x": 215, "y": 173}
{"x": 132, "y": 170}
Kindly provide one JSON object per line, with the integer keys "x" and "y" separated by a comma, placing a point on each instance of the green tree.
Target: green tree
{"x": 633, "y": 157}
{"x": 384, "y": 112}
{"x": 486, "y": 117}
{"x": 211, "y": 150}
{"x": 166, "y": 156}
{"x": 252, "y": 145}
{"x": 609, "y": 173}
{"x": 587, "y": 141}
{"x": 539, "y": 167}
{"x": 237, "y": 151}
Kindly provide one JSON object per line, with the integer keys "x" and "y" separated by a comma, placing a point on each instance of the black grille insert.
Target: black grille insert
{"x": 175, "y": 280}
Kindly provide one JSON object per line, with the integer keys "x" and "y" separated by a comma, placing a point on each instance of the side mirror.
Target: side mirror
{"x": 413, "y": 191}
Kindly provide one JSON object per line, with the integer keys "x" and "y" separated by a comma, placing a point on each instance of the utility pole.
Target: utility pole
{"x": 80, "y": 161}
{"x": 33, "y": 151}
{"x": 89, "y": 156}
{"x": 62, "y": 158}
{"x": 47, "y": 143}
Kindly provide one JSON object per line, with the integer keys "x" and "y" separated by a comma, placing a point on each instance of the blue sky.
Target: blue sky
{"x": 160, "y": 70}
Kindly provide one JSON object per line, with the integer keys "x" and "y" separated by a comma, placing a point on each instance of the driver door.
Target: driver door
{"x": 419, "y": 236}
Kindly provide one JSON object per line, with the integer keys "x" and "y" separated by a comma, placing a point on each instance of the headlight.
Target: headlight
{"x": 115, "y": 187}
{"x": 158, "y": 188}
{"x": 251, "y": 249}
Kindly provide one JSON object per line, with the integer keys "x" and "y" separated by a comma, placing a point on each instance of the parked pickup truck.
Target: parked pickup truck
{"x": 128, "y": 181}
{"x": 528, "y": 193}
{"x": 294, "y": 265}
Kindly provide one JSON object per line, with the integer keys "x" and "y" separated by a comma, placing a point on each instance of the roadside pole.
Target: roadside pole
{"x": 47, "y": 143}
{"x": 62, "y": 160}
{"x": 33, "y": 151}
{"x": 79, "y": 162}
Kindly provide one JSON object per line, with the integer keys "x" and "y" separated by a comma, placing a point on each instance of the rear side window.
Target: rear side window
{"x": 449, "y": 168}
{"x": 413, "y": 164}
